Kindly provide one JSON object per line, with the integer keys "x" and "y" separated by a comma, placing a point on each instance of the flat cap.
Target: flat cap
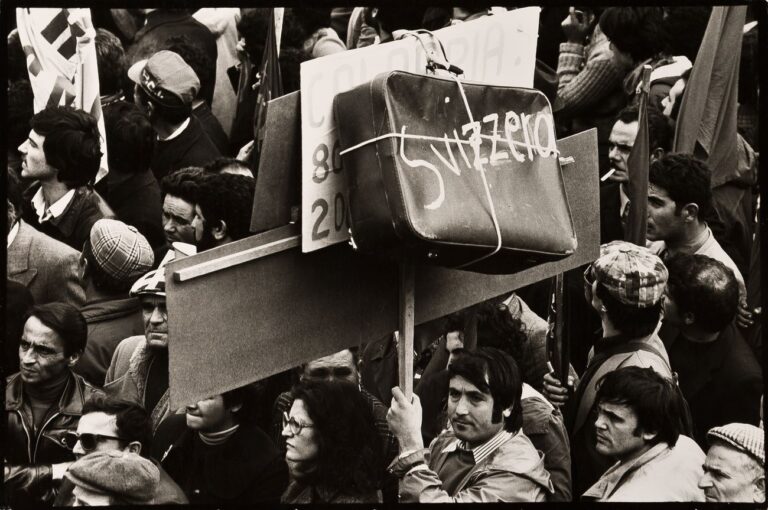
{"x": 125, "y": 475}
{"x": 120, "y": 250}
{"x": 166, "y": 78}
{"x": 632, "y": 274}
{"x": 742, "y": 436}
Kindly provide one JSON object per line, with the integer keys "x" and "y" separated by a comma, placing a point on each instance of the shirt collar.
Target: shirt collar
{"x": 177, "y": 132}
{"x": 481, "y": 452}
{"x": 54, "y": 210}
{"x": 12, "y": 234}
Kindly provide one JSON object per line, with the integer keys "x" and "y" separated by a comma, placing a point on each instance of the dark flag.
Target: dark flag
{"x": 638, "y": 162}
{"x": 706, "y": 124}
{"x": 270, "y": 82}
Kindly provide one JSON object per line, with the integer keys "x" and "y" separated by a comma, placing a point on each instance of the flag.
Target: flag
{"x": 637, "y": 165}
{"x": 707, "y": 122}
{"x": 61, "y": 60}
{"x": 271, "y": 81}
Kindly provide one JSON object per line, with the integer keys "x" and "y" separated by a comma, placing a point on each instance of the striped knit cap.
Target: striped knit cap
{"x": 742, "y": 436}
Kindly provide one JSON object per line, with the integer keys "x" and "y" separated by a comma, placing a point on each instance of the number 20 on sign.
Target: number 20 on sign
{"x": 333, "y": 216}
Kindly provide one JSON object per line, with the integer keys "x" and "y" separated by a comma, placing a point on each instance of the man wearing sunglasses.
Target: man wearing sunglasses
{"x": 110, "y": 424}
{"x": 43, "y": 402}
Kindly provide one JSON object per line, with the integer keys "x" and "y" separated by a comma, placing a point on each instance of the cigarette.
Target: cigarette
{"x": 550, "y": 367}
{"x": 607, "y": 174}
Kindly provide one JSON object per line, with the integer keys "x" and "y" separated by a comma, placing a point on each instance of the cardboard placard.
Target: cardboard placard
{"x": 499, "y": 50}
{"x": 238, "y": 324}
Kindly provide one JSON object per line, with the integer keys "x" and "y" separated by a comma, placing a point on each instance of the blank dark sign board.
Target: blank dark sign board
{"x": 258, "y": 306}
{"x": 278, "y": 184}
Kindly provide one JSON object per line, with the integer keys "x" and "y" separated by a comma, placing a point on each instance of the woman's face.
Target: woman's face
{"x": 300, "y": 447}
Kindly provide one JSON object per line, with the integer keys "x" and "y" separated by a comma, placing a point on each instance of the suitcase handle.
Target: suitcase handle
{"x": 430, "y": 47}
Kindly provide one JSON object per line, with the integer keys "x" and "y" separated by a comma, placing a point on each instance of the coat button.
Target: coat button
{"x": 196, "y": 492}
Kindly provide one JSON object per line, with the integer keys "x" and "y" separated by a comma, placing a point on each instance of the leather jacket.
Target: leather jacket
{"x": 29, "y": 456}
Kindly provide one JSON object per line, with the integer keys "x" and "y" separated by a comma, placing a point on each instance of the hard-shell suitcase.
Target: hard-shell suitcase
{"x": 433, "y": 177}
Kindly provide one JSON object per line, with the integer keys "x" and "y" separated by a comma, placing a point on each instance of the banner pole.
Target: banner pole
{"x": 405, "y": 327}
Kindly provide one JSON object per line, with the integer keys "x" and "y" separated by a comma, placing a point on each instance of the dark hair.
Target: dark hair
{"x": 21, "y": 102}
{"x": 102, "y": 280}
{"x": 290, "y": 65}
{"x": 217, "y": 165}
{"x": 171, "y": 114}
{"x": 183, "y": 183}
{"x": 633, "y": 321}
{"x": 133, "y": 421}
{"x": 246, "y": 397}
{"x": 110, "y": 60}
{"x": 655, "y": 400}
{"x": 72, "y": 143}
{"x": 130, "y": 138}
{"x": 660, "y": 130}
{"x": 638, "y": 31}
{"x": 504, "y": 384}
{"x": 705, "y": 287}
{"x": 684, "y": 26}
{"x": 227, "y": 198}
{"x": 66, "y": 321}
{"x": 685, "y": 179}
{"x": 199, "y": 61}
{"x": 253, "y": 26}
{"x": 497, "y": 328}
{"x": 349, "y": 448}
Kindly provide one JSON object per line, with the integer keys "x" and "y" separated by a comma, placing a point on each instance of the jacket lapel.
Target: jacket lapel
{"x": 18, "y": 252}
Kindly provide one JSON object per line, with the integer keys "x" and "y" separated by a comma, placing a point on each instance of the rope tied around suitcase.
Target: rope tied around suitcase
{"x": 435, "y": 61}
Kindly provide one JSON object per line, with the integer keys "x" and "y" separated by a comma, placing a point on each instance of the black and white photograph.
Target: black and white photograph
{"x": 275, "y": 256}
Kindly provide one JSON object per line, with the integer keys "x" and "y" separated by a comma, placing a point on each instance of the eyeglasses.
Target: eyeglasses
{"x": 293, "y": 425}
{"x": 87, "y": 441}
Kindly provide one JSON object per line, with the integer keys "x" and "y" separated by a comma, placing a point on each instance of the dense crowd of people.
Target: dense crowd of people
{"x": 663, "y": 401}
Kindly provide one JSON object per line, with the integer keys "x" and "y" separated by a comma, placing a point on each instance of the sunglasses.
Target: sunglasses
{"x": 293, "y": 425}
{"x": 89, "y": 442}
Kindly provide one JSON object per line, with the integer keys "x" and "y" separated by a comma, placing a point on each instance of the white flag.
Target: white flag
{"x": 61, "y": 59}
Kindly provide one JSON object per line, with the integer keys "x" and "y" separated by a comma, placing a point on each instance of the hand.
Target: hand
{"x": 404, "y": 420}
{"x": 554, "y": 390}
{"x": 744, "y": 317}
{"x": 576, "y": 26}
{"x": 244, "y": 154}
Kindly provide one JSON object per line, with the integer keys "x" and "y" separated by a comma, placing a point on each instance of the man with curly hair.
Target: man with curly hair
{"x": 63, "y": 154}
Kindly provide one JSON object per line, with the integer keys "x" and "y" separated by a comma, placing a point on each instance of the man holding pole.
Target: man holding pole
{"x": 484, "y": 456}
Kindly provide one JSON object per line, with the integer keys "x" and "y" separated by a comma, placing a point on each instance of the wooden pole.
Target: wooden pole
{"x": 405, "y": 327}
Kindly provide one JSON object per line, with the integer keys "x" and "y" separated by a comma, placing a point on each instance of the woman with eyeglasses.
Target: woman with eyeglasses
{"x": 332, "y": 447}
{"x": 218, "y": 455}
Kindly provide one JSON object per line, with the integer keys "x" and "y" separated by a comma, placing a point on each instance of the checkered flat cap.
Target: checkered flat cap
{"x": 120, "y": 250}
{"x": 742, "y": 436}
{"x": 632, "y": 274}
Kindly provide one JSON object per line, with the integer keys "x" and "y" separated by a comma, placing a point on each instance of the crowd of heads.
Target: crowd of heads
{"x": 182, "y": 180}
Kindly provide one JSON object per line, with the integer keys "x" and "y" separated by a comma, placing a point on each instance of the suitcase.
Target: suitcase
{"x": 413, "y": 160}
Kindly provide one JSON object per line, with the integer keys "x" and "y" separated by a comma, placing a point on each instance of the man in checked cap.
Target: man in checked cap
{"x": 139, "y": 368}
{"x": 734, "y": 470}
{"x": 624, "y": 286}
{"x": 113, "y": 258}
